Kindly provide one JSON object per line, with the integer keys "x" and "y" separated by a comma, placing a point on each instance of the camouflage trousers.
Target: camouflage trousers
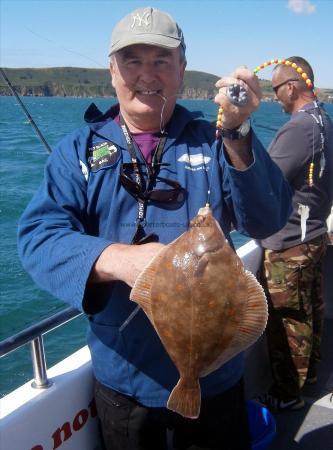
{"x": 293, "y": 282}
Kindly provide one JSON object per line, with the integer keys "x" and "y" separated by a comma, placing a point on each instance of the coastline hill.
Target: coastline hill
{"x": 83, "y": 82}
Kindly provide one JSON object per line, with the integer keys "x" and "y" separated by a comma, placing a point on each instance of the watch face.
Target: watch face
{"x": 244, "y": 128}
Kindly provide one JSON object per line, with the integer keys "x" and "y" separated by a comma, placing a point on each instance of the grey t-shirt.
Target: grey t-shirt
{"x": 292, "y": 150}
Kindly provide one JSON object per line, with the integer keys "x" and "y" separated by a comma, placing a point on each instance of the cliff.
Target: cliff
{"x": 82, "y": 82}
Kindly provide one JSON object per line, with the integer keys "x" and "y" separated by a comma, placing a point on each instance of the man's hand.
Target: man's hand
{"x": 123, "y": 262}
{"x": 234, "y": 115}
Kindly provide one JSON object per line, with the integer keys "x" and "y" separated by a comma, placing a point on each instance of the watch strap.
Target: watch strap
{"x": 236, "y": 133}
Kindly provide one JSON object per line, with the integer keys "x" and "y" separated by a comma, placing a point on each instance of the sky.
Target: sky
{"x": 220, "y": 35}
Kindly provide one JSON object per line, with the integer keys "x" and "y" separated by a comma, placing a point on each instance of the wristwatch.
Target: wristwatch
{"x": 237, "y": 133}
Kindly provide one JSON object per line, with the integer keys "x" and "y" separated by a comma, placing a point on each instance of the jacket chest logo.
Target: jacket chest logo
{"x": 195, "y": 162}
{"x": 103, "y": 155}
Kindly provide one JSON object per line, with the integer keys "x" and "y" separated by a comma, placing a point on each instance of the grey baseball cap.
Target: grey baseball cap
{"x": 146, "y": 26}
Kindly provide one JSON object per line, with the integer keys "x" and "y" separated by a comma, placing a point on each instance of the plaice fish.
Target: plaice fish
{"x": 204, "y": 305}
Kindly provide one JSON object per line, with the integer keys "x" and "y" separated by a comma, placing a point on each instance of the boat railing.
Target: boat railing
{"x": 34, "y": 335}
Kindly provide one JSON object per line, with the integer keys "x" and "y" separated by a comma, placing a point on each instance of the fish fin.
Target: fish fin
{"x": 254, "y": 320}
{"x": 252, "y": 326}
{"x": 256, "y": 315}
{"x": 140, "y": 292}
{"x": 185, "y": 398}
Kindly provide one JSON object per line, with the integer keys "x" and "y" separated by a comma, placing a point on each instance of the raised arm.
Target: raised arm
{"x": 239, "y": 151}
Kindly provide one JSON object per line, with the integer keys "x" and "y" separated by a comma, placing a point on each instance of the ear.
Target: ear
{"x": 112, "y": 73}
{"x": 182, "y": 72}
{"x": 293, "y": 92}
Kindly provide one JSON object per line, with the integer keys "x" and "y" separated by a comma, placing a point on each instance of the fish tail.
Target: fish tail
{"x": 185, "y": 398}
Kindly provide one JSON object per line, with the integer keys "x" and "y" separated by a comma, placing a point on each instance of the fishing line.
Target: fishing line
{"x": 65, "y": 48}
{"x": 162, "y": 128}
{"x": 13, "y": 90}
{"x": 26, "y": 112}
{"x": 165, "y": 100}
{"x": 210, "y": 181}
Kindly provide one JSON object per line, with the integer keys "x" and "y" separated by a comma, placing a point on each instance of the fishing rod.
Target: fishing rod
{"x": 31, "y": 120}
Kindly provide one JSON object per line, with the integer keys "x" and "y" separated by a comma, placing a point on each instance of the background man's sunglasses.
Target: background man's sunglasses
{"x": 276, "y": 88}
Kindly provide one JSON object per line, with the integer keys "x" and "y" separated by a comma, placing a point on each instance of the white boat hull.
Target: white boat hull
{"x": 62, "y": 416}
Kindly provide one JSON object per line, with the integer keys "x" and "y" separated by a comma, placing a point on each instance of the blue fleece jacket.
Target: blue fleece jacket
{"x": 81, "y": 208}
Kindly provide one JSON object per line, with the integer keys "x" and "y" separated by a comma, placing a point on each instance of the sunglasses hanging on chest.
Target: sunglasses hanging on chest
{"x": 139, "y": 180}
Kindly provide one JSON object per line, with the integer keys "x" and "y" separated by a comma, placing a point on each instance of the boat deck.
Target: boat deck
{"x": 311, "y": 428}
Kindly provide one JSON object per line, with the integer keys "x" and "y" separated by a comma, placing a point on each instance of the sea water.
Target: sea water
{"x": 22, "y": 161}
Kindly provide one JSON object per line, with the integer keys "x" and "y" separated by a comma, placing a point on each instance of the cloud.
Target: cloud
{"x": 301, "y": 7}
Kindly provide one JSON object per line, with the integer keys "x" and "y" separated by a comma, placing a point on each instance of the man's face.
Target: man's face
{"x": 142, "y": 75}
{"x": 282, "y": 84}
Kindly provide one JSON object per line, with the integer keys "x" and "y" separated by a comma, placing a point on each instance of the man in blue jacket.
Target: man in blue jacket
{"x": 137, "y": 175}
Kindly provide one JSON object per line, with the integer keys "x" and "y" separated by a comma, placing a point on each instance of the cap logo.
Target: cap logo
{"x": 141, "y": 21}
{"x": 146, "y": 26}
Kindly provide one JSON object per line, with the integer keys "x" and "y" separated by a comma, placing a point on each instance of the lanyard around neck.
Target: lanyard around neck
{"x": 131, "y": 145}
{"x": 139, "y": 236}
{"x": 320, "y": 122}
